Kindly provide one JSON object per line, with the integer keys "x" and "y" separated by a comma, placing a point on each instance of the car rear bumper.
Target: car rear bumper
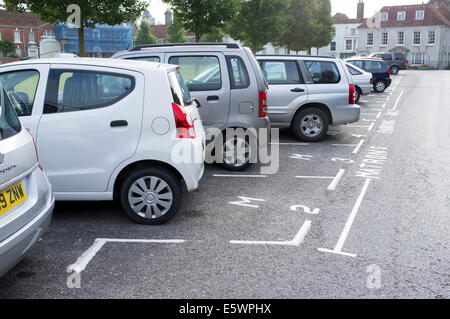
{"x": 344, "y": 114}
{"x": 13, "y": 248}
{"x": 366, "y": 89}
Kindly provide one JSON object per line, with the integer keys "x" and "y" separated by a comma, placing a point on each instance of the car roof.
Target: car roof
{"x": 181, "y": 47}
{"x": 114, "y": 63}
{"x": 364, "y": 58}
{"x": 293, "y": 56}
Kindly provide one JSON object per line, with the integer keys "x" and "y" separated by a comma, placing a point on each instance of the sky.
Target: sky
{"x": 157, "y": 7}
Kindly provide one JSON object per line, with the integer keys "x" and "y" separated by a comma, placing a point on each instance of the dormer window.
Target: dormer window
{"x": 384, "y": 16}
{"x": 420, "y": 14}
{"x": 401, "y": 15}
{"x": 436, "y": 4}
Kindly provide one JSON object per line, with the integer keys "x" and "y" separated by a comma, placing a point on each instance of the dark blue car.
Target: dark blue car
{"x": 379, "y": 69}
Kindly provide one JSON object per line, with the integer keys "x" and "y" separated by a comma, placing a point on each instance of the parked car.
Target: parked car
{"x": 26, "y": 200}
{"x": 111, "y": 129}
{"x": 362, "y": 80}
{"x": 227, "y": 81}
{"x": 395, "y": 61}
{"x": 308, "y": 94}
{"x": 380, "y": 71}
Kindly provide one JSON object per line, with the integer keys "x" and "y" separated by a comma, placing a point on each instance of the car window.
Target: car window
{"x": 180, "y": 91}
{"x": 374, "y": 66}
{"x": 21, "y": 87}
{"x": 398, "y": 56}
{"x": 386, "y": 57}
{"x": 202, "y": 73}
{"x": 9, "y": 123}
{"x": 323, "y": 72}
{"x": 357, "y": 63}
{"x": 353, "y": 71}
{"x": 77, "y": 90}
{"x": 146, "y": 58}
{"x": 281, "y": 72}
{"x": 239, "y": 77}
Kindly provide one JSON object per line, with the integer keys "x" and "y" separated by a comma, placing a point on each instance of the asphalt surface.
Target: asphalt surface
{"x": 385, "y": 235}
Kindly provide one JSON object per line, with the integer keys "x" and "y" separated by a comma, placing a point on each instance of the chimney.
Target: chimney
{"x": 168, "y": 15}
{"x": 360, "y": 11}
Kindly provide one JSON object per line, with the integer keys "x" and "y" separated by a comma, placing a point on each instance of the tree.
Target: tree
{"x": 259, "y": 22}
{"x": 199, "y": 16}
{"x": 176, "y": 33}
{"x": 325, "y": 24}
{"x": 145, "y": 35}
{"x": 215, "y": 35}
{"x": 301, "y": 30}
{"x": 110, "y": 12}
{"x": 7, "y": 46}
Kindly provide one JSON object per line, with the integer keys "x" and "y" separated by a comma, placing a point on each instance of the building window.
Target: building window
{"x": 432, "y": 37}
{"x": 161, "y": 41}
{"x": 401, "y": 15}
{"x": 18, "y": 51}
{"x": 416, "y": 38}
{"x": 369, "y": 39}
{"x": 31, "y": 37}
{"x": 436, "y": 4}
{"x": 384, "y": 38}
{"x": 0, "y": 35}
{"x": 349, "y": 44}
{"x": 401, "y": 38}
{"x": 96, "y": 34}
{"x": 333, "y": 46}
{"x": 17, "y": 36}
{"x": 277, "y": 50}
{"x": 353, "y": 31}
{"x": 384, "y": 16}
{"x": 48, "y": 34}
{"x": 418, "y": 58}
{"x": 420, "y": 14}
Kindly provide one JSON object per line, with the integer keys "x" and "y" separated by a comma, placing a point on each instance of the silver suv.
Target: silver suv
{"x": 226, "y": 80}
{"x": 308, "y": 94}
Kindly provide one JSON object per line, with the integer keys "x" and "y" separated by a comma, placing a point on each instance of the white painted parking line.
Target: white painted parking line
{"x": 398, "y": 100}
{"x": 336, "y": 180}
{"x": 315, "y": 177}
{"x": 90, "y": 253}
{"x": 298, "y": 239}
{"x": 340, "y": 244}
{"x": 344, "y": 145}
{"x": 358, "y": 147}
{"x": 240, "y": 176}
{"x": 371, "y": 127}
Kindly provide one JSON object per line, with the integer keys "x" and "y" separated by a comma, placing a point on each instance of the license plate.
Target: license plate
{"x": 11, "y": 197}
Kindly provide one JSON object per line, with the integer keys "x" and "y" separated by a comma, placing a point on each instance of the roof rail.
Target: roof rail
{"x": 297, "y": 56}
{"x": 228, "y": 45}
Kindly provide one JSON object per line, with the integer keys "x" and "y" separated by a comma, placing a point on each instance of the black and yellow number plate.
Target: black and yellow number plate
{"x": 11, "y": 197}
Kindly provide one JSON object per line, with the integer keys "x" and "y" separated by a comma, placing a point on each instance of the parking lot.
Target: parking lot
{"x": 364, "y": 213}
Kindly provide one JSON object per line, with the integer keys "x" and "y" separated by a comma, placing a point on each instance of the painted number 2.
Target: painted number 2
{"x": 306, "y": 209}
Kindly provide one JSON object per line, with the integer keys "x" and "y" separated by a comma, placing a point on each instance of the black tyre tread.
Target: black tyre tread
{"x": 296, "y": 123}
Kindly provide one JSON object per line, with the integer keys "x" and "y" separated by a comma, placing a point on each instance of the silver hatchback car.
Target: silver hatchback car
{"x": 308, "y": 94}
{"x": 26, "y": 200}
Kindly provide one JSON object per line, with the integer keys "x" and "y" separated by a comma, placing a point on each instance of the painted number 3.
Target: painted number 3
{"x": 306, "y": 209}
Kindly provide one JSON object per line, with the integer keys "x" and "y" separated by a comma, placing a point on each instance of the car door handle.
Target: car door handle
{"x": 212, "y": 98}
{"x": 119, "y": 123}
{"x": 297, "y": 90}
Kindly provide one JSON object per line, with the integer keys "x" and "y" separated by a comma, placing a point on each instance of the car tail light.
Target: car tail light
{"x": 389, "y": 72}
{"x": 35, "y": 148}
{"x": 262, "y": 104}
{"x": 183, "y": 122}
{"x": 371, "y": 81}
{"x": 351, "y": 94}
{"x": 404, "y": 62}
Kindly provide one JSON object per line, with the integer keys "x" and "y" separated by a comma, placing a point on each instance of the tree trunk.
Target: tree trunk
{"x": 198, "y": 37}
{"x": 82, "y": 52}
{"x": 309, "y": 51}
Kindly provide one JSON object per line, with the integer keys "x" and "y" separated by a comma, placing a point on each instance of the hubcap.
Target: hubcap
{"x": 236, "y": 152}
{"x": 311, "y": 125}
{"x": 380, "y": 86}
{"x": 150, "y": 197}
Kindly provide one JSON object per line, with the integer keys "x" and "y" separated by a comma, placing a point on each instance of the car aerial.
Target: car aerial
{"x": 380, "y": 71}
{"x": 26, "y": 200}
{"x": 362, "y": 80}
{"x": 308, "y": 94}
{"x": 111, "y": 129}
{"x": 227, "y": 81}
{"x": 395, "y": 60}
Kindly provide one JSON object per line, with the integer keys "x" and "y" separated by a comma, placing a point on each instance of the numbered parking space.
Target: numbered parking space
{"x": 313, "y": 229}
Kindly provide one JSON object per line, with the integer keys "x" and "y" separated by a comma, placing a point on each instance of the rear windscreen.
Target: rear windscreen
{"x": 9, "y": 122}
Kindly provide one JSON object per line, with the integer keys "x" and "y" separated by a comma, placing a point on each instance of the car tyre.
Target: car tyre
{"x": 230, "y": 161}
{"x": 310, "y": 125}
{"x": 379, "y": 86}
{"x": 357, "y": 94}
{"x": 151, "y": 196}
{"x": 395, "y": 70}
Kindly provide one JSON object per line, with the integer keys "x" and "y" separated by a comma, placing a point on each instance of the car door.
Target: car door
{"x": 207, "y": 79}
{"x": 287, "y": 89}
{"x": 91, "y": 122}
{"x": 25, "y": 86}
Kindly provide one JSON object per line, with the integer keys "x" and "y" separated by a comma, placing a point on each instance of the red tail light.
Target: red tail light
{"x": 262, "y": 104}
{"x": 351, "y": 94}
{"x": 183, "y": 122}
{"x": 371, "y": 81}
{"x": 35, "y": 148}
{"x": 389, "y": 72}
{"x": 404, "y": 62}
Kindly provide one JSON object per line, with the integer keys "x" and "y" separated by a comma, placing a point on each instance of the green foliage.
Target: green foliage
{"x": 260, "y": 22}
{"x": 325, "y": 25}
{"x": 215, "y": 35}
{"x": 7, "y": 46}
{"x": 145, "y": 35}
{"x": 176, "y": 33}
{"x": 199, "y": 16}
{"x": 110, "y": 12}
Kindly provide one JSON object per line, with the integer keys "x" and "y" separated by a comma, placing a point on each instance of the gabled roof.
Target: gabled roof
{"x": 23, "y": 19}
